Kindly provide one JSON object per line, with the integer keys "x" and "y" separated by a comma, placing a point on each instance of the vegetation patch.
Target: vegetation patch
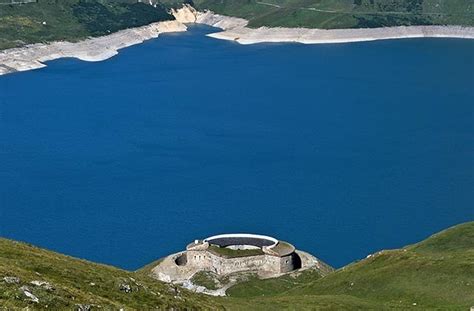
{"x": 234, "y": 253}
{"x": 100, "y": 19}
{"x": 436, "y": 274}
{"x": 31, "y": 277}
{"x": 206, "y": 279}
{"x": 255, "y": 287}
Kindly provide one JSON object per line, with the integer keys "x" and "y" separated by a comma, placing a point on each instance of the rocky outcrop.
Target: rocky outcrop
{"x": 11, "y": 280}
{"x": 43, "y": 284}
{"x": 125, "y": 288}
{"x": 27, "y": 292}
{"x": 186, "y": 14}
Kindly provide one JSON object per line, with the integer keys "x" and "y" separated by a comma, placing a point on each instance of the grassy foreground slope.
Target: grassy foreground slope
{"x": 330, "y": 14}
{"x": 436, "y": 274}
{"x": 72, "y": 283}
{"x": 72, "y": 20}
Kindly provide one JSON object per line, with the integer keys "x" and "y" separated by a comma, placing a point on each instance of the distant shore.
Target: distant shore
{"x": 319, "y": 36}
{"x": 93, "y": 49}
{"x": 233, "y": 29}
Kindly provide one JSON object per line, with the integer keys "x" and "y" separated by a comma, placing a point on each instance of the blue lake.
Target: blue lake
{"x": 341, "y": 149}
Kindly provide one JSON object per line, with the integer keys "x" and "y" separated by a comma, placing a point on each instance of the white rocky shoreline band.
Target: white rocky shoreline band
{"x": 92, "y": 50}
{"x": 234, "y": 29}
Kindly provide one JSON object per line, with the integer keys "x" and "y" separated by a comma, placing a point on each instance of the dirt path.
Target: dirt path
{"x": 363, "y": 12}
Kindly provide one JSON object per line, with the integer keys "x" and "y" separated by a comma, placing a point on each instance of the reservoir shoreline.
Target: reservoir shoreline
{"x": 233, "y": 29}
{"x": 92, "y": 50}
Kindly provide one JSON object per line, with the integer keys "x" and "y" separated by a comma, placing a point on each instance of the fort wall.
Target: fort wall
{"x": 228, "y": 253}
{"x": 205, "y": 260}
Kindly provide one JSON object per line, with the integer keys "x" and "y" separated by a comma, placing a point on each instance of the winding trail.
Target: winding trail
{"x": 270, "y": 4}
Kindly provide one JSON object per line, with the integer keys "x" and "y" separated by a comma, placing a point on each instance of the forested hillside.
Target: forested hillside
{"x": 72, "y": 20}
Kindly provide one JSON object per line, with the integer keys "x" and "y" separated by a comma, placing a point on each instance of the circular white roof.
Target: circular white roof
{"x": 242, "y": 239}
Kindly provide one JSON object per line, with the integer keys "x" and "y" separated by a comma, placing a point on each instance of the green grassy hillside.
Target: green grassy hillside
{"x": 72, "y": 282}
{"x": 436, "y": 274}
{"x": 72, "y": 20}
{"x": 345, "y": 13}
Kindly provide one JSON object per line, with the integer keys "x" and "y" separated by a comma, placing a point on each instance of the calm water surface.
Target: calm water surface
{"x": 340, "y": 149}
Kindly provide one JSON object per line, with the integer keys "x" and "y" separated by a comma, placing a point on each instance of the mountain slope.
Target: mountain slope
{"x": 71, "y": 20}
{"x": 61, "y": 282}
{"x": 330, "y": 14}
{"x": 437, "y": 273}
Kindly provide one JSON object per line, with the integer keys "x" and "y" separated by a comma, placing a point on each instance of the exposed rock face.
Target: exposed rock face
{"x": 187, "y": 14}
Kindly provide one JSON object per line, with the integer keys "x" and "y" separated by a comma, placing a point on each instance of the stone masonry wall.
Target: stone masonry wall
{"x": 205, "y": 260}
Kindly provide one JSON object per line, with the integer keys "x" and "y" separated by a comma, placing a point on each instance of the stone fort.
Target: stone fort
{"x": 230, "y": 253}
